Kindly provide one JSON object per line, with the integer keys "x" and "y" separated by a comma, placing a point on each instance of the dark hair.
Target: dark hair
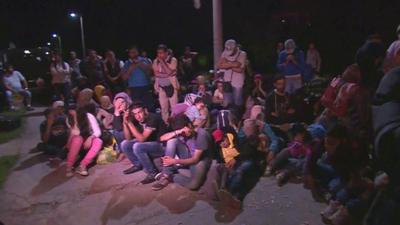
{"x": 162, "y": 47}
{"x": 278, "y": 77}
{"x": 180, "y": 121}
{"x": 136, "y": 105}
{"x": 83, "y": 122}
{"x": 337, "y": 131}
{"x": 198, "y": 100}
{"x": 107, "y": 138}
{"x": 133, "y": 47}
{"x": 298, "y": 128}
{"x": 47, "y": 112}
{"x": 7, "y": 66}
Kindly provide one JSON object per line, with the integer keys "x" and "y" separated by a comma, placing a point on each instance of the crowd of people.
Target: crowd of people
{"x": 342, "y": 144}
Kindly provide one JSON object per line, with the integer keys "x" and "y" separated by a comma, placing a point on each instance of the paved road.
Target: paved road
{"x": 38, "y": 193}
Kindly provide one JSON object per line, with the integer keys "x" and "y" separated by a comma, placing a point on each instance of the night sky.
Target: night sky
{"x": 338, "y": 27}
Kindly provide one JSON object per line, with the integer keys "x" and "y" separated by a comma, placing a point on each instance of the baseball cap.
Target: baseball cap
{"x": 218, "y": 135}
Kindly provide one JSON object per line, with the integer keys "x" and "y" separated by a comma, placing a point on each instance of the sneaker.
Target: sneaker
{"x": 332, "y": 208}
{"x": 158, "y": 176}
{"x": 150, "y": 178}
{"x": 341, "y": 217}
{"x": 268, "y": 171}
{"x": 82, "y": 171}
{"x": 69, "y": 172}
{"x": 162, "y": 183}
{"x": 281, "y": 178}
{"x": 131, "y": 170}
{"x": 228, "y": 199}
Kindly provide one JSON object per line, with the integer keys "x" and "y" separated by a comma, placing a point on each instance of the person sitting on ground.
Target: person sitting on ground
{"x": 198, "y": 113}
{"x": 54, "y": 134}
{"x": 203, "y": 92}
{"x": 194, "y": 149}
{"x": 121, "y": 103}
{"x": 297, "y": 149}
{"x": 13, "y": 81}
{"x": 218, "y": 97}
{"x": 85, "y": 97}
{"x": 85, "y": 134}
{"x": 278, "y": 105}
{"x": 257, "y": 96}
{"x": 242, "y": 163}
{"x": 105, "y": 112}
{"x": 234, "y": 170}
{"x": 269, "y": 143}
{"x": 142, "y": 131}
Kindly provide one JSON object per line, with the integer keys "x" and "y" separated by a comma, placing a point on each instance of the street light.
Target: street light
{"x": 54, "y": 35}
{"x": 75, "y": 15}
{"x": 48, "y": 43}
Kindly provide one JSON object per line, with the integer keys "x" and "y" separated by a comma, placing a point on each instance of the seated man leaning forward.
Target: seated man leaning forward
{"x": 193, "y": 147}
{"x": 142, "y": 133}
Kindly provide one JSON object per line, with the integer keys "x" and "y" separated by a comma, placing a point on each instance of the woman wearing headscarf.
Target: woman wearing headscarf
{"x": 85, "y": 97}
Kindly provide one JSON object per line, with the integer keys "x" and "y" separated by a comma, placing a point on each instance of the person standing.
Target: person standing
{"x": 166, "y": 83}
{"x": 232, "y": 63}
{"x": 136, "y": 72}
{"x": 291, "y": 64}
{"x": 13, "y": 81}
{"x": 61, "y": 77}
{"x": 92, "y": 68}
{"x": 186, "y": 64}
{"x": 313, "y": 59}
{"x": 75, "y": 70}
{"x": 112, "y": 69}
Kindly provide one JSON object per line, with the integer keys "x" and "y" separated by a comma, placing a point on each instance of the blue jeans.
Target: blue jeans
{"x": 140, "y": 153}
{"x": 237, "y": 93}
{"x": 175, "y": 147}
{"x": 119, "y": 137}
{"x": 198, "y": 171}
{"x": 236, "y": 178}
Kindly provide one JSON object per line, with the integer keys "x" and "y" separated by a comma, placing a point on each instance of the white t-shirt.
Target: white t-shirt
{"x": 14, "y": 81}
{"x": 60, "y": 74}
{"x": 236, "y": 79}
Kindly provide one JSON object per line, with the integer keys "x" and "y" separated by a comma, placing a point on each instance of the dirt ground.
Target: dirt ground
{"x": 38, "y": 193}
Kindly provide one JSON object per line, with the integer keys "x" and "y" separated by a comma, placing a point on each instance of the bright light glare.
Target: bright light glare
{"x": 54, "y": 35}
{"x": 73, "y": 15}
{"x": 27, "y": 52}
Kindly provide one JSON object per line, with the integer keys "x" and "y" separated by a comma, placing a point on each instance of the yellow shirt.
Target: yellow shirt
{"x": 230, "y": 152}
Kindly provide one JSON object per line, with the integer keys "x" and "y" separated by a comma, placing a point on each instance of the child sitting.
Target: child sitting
{"x": 290, "y": 158}
{"x": 105, "y": 112}
{"x": 218, "y": 97}
{"x": 196, "y": 113}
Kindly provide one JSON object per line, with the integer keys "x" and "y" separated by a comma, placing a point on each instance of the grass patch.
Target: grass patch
{"x": 6, "y": 163}
{"x": 9, "y": 135}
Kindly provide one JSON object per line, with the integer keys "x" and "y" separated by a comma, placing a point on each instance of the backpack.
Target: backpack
{"x": 223, "y": 119}
{"x": 331, "y": 92}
